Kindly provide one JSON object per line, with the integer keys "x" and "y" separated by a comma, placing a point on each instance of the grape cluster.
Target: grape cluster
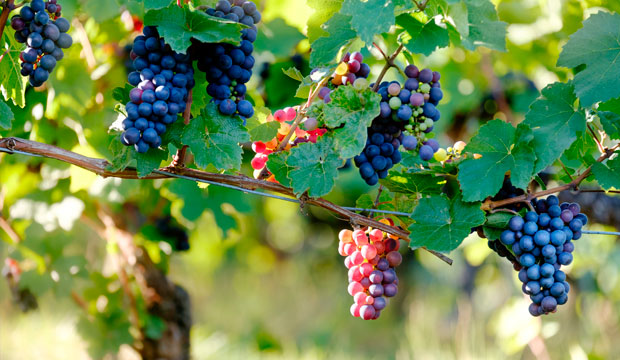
{"x": 45, "y": 32}
{"x": 351, "y": 71}
{"x": 381, "y": 152}
{"x": 229, "y": 67}
{"x": 162, "y": 80}
{"x": 176, "y": 235}
{"x": 509, "y": 191}
{"x": 414, "y": 107}
{"x": 542, "y": 242}
{"x": 371, "y": 256}
{"x": 285, "y": 117}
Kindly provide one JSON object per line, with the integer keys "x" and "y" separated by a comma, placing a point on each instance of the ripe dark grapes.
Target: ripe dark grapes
{"x": 45, "y": 32}
{"x": 162, "y": 80}
{"x": 371, "y": 256}
{"x": 229, "y": 67}
{"x": 541, "y": 241}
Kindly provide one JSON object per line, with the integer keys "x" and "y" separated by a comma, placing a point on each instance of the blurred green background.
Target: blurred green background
{"x": 264, "y": 276}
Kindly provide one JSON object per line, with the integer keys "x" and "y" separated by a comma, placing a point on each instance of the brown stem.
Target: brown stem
{"x": 4, "y": 17}
{"x": 600, "y": 146}
{"x": 566, "y": 170}
{"x": 79, "y": 301}
{"x": 421, "y": 6}
{"x": 99, "y": 167}
{"x": 389, "y": 63}
{"x": 488, "y": 205}
{"x": 179, "y": 159}
{"x": 376, "y": 203}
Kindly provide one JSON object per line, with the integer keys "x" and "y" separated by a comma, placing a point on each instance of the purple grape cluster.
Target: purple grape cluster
{"x": 229, "y": 67}
{"x": 162, "y": 80}
{"x": 381, "y": 152}
{"x": 542, "y": 242}
{"x": 45, "y": 32}
{"x": 350, "y": 69}
{"x": 414, "y": 106}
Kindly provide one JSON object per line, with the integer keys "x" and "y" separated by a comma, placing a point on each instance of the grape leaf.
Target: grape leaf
{"x": 277, "y": 166}
{"x": 412, "y": 183}
{"x": 156, "y": 4}
{"x": 503, "y": 148}
{"x": 325, "y": 48}
{"x": 369, "y": 17}
{"x": 6, "y": 116}
{"x": 422, "y": 38}
{"x": 262, "y": 131}
{"x": 122, "y": 155}
{"x": 355, "y": 110}
{"x": 303, "y": 91}
{"x": 597, "y": 46}
{"x": 179, "y": 25}
{"x": 324, "y": 10}
{"x": 442, "y": 224}
{"x": 482, "y": 24}
{"x": 214, "y": 139}
{"x": 555, "y": 122}
{"x": 293, "y": 73}
{"x": 607, "y": 175}
{"x": 121, "y": 94}
{"x": 611, "y": 124}
{"x": 12, "y": 83}
{"x": 314, "y": 167}
{"x": 149, "y": 161}
{"x": 173, "y": 133}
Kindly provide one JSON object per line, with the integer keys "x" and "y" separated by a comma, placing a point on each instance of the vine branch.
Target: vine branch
{"x": 99, "y": 167}
{"x": 489, "y": 205}
{"x": 179, "y": 159}
{"x": 4, "y": 17}
{"x": 389, "y": 62}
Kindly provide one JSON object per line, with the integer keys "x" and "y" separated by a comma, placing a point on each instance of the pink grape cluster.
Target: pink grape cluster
{"x": 371, "y": 256}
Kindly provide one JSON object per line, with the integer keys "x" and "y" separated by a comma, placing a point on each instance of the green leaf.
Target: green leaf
{"x": 318, "y": 74}
{"x": 412, "y": 183}
{"x": 555, "y": 122}
{"x": 214, "y": 139}
{"x": 422, "y": 38}
{"x": 611, "y": 124}
{"x": 325, "y": 48}
{"x": 442, "y": 224}
{"x": 173, "y": 134}
{"x": 498, "y": 220}
{"x": 277, "y": 37}
{"x": 37, "y": 283}
{"x": 121, "y": 94}
{"x": 156, "y": 4}
{"x": 482, "y": 24}
{"x": 293, "y": 73}
{"x": 278, "y": 167}
{"x": 607, "y": 175}
{"x": 149, "y": 161}
{"x": 12, "y": 83}
{"x": 122, "y": 155}
{"x": 315, "y": 167}
{"x": 6, "y": 116}
{"x": 503, "y": 148}
{"x": 595, "y": 45}
{"x": 369, "y": 17}
{"x": 265, "y": 131}
{"x": 355, "y": 110}
{"x": 154, "y": 327}
{"x": 179, "y": 25}
{"x": 324, "y": 10}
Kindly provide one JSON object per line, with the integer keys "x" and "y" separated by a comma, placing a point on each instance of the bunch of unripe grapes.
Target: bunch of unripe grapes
{"x": 262, "y": 149}
{"x": 350, "y": 71}
{"x": 542, "y": 242}
{"x": 45, "y": 32}
{"x": 162, "y": 80}
{"x": 228, "y": 67}
{"x": 371, "y": 257}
